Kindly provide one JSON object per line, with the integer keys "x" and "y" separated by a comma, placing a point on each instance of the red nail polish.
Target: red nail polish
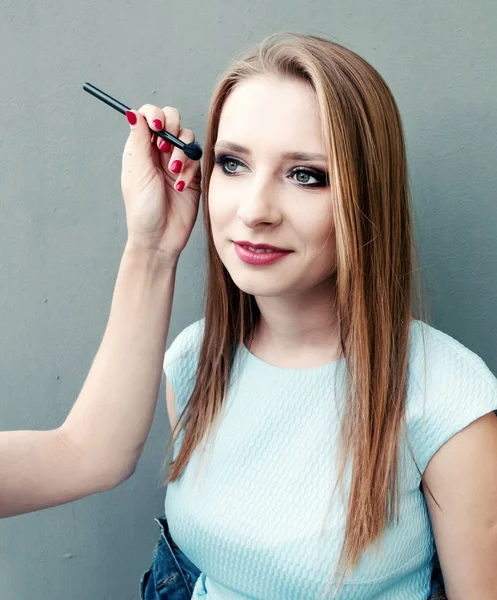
{"x": 176, "y": 166}
{"x": 180, "y": 186}
{"x": 157, "y": 124}
{"x": 131, "y": 117}
{"x": 164, "y": 146}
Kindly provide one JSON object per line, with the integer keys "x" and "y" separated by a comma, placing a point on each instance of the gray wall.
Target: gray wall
{"x": 62, "y": 225}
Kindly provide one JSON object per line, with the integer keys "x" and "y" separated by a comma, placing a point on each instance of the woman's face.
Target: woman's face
{"x": 256, "y": 193}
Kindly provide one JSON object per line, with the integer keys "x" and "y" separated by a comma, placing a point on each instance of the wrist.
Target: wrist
{"x": 153, "y": 258}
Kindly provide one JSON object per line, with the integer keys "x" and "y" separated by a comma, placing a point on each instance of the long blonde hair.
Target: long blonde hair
{"x": 375, "y": 254}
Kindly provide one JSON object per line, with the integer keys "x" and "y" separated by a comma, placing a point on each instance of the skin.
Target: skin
{"x": 265, "y": 202}
{"x": 463, "y": 478}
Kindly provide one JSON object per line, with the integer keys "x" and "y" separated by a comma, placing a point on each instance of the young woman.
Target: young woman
{"x": 309, "y": 373}
{"x": 310, "y": 369}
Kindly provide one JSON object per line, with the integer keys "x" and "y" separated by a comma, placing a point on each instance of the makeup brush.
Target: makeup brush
{"x": 192, "y": 150}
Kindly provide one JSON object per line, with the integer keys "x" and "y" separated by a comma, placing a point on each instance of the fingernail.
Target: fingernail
{"x": 180, "y": 186}
{"x": 131, "y": 117}
{"x": 164, "y": 146}
{"x": 176, "y": 166}
{"x": 157, "y": 124}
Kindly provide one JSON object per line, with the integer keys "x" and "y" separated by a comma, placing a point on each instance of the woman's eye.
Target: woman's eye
{"x": 303, "y": 176}
{"x": 228, "y": 165}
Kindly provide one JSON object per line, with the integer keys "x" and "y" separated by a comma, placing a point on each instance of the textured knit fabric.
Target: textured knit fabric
{"x": 254, "y": 520}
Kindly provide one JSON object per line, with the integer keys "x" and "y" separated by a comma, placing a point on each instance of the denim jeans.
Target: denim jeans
{"x": 437, "y": 581}
{"x": 172, "y": 575}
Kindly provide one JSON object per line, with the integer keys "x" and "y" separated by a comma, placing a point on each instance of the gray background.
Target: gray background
{"x": 62, "y": 225}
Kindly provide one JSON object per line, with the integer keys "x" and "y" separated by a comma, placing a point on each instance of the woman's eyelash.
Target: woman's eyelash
{"x": 321, "y": 177}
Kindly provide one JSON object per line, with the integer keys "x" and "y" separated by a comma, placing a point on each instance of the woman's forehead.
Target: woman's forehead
{"x": 274, "y": 111}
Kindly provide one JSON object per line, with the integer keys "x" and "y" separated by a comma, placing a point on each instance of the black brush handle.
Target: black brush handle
{"x": 122, "y": 108}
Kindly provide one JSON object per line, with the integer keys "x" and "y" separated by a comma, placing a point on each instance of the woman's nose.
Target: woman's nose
{"x": 258, "y": 202}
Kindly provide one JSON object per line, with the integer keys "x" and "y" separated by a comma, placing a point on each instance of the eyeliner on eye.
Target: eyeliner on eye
{"x": 322, "y": 177}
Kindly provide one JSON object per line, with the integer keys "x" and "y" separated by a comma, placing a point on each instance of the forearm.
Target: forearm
{"x": 99, "y": 444}
{"x": 112, "y": 416}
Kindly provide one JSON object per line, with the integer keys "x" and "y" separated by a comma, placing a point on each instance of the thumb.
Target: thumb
{"x": 138, "y": 145}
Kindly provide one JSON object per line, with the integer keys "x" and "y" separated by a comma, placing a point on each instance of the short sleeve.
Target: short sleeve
{"x": 445, "y": 394}
{"x": 180, "y": 362}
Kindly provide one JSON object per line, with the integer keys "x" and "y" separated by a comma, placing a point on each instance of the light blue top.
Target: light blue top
{"x": 251, "y": 521}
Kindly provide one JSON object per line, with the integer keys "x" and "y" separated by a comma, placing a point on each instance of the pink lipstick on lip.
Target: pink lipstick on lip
{"x": 259, "y": 258}
{"x": 258, "y": 246}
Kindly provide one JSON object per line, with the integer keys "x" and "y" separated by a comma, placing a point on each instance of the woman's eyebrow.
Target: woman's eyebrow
{"x": 303, "y": 156}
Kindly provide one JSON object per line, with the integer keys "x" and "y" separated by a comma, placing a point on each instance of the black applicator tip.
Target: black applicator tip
{"x": 193, "y": 151}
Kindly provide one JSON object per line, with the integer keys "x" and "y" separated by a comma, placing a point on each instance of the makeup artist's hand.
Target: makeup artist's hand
{"x": 160, "y": 185}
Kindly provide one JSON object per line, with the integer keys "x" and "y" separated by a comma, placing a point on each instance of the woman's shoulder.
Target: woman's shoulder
{"x": 186, "y": 342}
{"x": 444, "y": 360}
{"x": 448, "y": 387}
{"x": 181, "y": 359}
